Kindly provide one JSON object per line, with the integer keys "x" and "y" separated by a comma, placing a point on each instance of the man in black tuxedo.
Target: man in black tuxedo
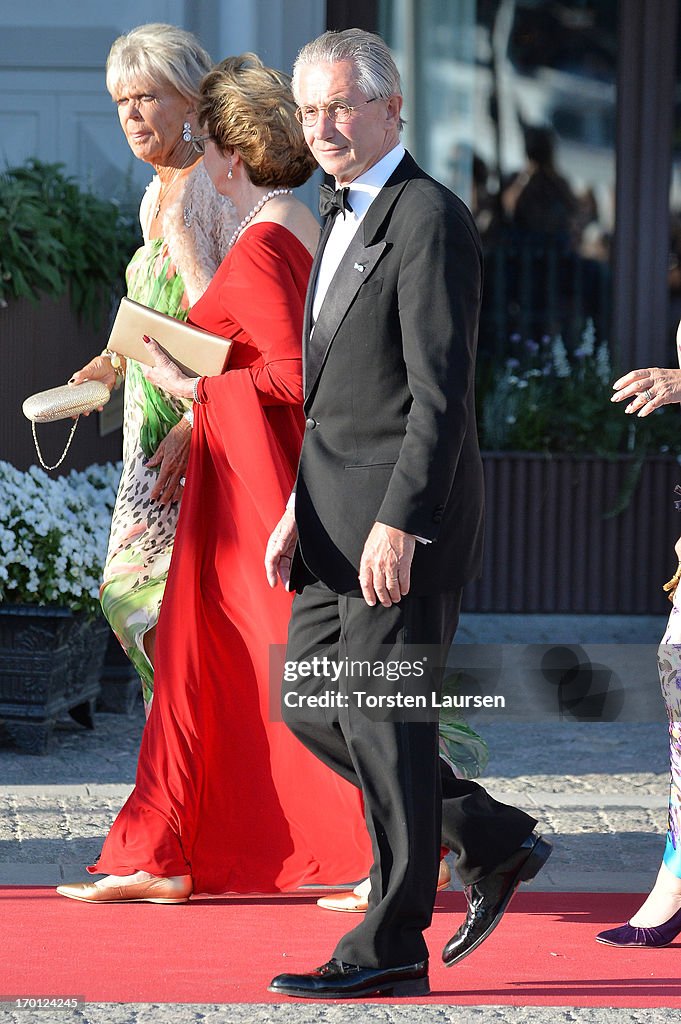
{"x": 387, "y": 521}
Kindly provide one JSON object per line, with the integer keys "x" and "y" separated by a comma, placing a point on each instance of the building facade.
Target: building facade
{"x": 589, "y": 89}
{"x": 600, "y": 75}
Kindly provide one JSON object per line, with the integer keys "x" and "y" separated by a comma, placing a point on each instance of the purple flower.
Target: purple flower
{"x": 532, "y": 346}
{"x": 546, "y": 339}
{"x": 579, "y": 353}
{"x": 515, "y": 338}
{"x": 512, "y": 364}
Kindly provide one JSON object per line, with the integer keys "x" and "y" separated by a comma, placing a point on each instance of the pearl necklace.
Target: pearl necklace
{"x": 256, "y": 209}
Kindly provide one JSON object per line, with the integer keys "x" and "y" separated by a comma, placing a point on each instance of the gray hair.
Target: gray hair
{"x": 158, "y": 54}
{"x": 377, "y": 73}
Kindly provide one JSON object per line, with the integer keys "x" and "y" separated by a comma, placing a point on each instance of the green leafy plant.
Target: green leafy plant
{"x": 464, "y": 750}
{"x": 54, "y": 535}
{"x": 58, "y": 237}
{"x": 546, "y": 399}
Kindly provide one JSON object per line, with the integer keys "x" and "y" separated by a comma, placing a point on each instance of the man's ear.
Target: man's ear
{"x": 394, "y": 108}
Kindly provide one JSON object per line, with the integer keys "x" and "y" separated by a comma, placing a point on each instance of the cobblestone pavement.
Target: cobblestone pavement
{"x": 56, "y": 809}
{"x": 261, "y": 1013}
{"x": 598, "y": 789}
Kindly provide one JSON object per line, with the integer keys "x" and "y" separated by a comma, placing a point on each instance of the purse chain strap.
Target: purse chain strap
{"x": 63, "y": 454}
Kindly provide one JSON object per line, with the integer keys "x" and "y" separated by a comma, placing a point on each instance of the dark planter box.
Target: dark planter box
{"x": 120, "y": 685}
{"x": 552, "y": 547}
{"x": 50, "y": 662}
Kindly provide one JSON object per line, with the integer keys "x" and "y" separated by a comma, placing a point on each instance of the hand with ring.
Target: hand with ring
{"x": 648, "y": 389}
{"x": 171, "y": 458}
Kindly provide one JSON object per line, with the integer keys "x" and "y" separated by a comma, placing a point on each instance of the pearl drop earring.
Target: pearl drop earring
{"x": 230, "y": 173}
{"x": 187, "y": 132}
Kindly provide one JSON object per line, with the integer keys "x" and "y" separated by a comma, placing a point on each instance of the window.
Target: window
{"x": 511, "y": 103}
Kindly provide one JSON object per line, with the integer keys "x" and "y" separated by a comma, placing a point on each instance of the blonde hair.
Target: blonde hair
{"x": 158, "y": 54}
{"x": 247, "y": 106}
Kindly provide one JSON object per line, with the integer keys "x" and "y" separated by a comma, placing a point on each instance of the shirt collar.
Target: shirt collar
{"x": 366, "y": 187}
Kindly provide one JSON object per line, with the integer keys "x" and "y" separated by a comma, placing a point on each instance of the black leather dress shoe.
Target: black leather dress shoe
{"x": 338, "y": 980}
{"x": 489, "y": 898}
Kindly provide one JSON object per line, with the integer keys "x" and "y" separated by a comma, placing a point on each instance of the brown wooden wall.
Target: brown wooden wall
{"x": 40, "y": 347}
{"x": 550, "y": 548}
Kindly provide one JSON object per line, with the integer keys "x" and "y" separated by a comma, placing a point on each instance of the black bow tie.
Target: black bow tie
{"x": 332, "y": 200}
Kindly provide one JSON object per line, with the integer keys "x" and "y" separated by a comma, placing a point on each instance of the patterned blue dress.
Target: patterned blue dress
{"x": 669, "y": 665}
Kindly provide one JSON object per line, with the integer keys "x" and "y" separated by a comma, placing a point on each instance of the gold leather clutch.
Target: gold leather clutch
{"x": 67, "y": 400}
{"x": 196, "y": 352}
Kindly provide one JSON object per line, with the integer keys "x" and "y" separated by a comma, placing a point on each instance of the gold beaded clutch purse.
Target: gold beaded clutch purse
{"x": 61, "y": 403}
{"x": 67, "y": 400}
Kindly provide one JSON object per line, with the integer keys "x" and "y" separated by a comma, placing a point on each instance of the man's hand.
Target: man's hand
{"x": 280, "y": 548}
{"x": 385, "y": 566}
{"x": 171, "y": 456}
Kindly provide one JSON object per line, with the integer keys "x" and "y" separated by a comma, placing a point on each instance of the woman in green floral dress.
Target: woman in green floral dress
{"x": 153, "y": 75}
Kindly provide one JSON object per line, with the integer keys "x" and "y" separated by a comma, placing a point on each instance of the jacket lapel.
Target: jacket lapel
{"x": 312, "y": 282}
{"x": 355, "y": 268}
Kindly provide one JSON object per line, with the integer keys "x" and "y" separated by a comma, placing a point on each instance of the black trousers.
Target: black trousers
{"x": 411, "y": 797}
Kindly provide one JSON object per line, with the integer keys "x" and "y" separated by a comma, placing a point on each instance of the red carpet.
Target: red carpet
{"x": 227, "y": 950}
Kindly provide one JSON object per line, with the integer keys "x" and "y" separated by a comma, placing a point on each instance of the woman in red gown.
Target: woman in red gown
{"x": 226, "y": 799}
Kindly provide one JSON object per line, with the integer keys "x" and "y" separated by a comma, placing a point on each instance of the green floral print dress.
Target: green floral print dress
{"x": 142, "y": 531}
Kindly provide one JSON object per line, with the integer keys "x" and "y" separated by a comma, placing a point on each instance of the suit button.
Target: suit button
{"x": 437, "y": 516}
{"x": 310, "y": 423}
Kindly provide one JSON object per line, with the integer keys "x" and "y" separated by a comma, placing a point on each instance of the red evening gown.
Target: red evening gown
{"x": 223, "y": 792}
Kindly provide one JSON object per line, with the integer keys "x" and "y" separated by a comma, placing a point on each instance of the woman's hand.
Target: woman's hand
{"x": 171, "y": 456}
{"x": 99, "y": 368}
{"x": 650, "y": 389}
{"x": 166, "y": 374}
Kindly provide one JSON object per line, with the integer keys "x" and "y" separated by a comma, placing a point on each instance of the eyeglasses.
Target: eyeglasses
{"x": 336, "y": 111}
{"x": 199, "y": 142}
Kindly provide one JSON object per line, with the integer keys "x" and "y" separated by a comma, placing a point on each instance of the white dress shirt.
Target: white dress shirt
{"x": 362, "y": 192}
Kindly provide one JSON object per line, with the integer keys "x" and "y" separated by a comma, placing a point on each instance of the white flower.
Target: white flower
{"x": 53, "y": 534}
{"x": 588, "y": 338}
{"x": 560, "y": 359}
{"x": 603, "y": 364}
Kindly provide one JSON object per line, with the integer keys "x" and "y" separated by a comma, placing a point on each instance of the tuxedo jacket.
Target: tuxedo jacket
{"x": 389, "y": 384}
